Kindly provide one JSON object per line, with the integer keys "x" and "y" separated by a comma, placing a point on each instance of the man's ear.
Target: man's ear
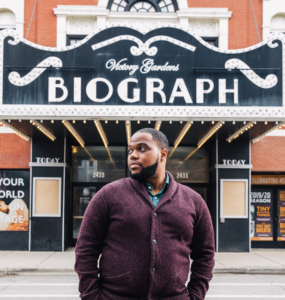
{"x": 163, "y": 154}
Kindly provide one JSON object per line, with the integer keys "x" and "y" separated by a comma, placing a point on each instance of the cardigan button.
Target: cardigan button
{"x": 154, "y": 242}
{"x": 155, "y": 215}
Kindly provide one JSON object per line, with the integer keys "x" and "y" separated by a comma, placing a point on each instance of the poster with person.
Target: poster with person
{"x": 14, "y": 200}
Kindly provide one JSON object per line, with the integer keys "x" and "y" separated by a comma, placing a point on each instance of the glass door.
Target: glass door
{"x": 82, "y": 195}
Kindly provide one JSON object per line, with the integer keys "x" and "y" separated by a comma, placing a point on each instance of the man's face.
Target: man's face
{"x": 144, "y": 156}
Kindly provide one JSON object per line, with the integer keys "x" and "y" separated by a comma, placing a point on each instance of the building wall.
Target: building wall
{"x": 15, "y": 152}
{"x": 268, "y": 154}
{"x": 242, "y": 31}
{"x": 43, "y": 26}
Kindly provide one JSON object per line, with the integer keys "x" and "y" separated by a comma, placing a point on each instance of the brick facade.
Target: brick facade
{"x": 15, "y": 152}
{"x": 242, "y": 31}
{"x": 268, "y": 154}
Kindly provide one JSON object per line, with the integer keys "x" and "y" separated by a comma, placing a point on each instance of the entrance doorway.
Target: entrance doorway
{"x": 267, "y": 217}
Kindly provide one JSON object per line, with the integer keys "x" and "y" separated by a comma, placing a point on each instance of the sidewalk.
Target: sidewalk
{"x": 258, "y": 262}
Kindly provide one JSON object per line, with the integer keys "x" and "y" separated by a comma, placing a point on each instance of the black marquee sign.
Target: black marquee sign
{"x": 121, "y": 66}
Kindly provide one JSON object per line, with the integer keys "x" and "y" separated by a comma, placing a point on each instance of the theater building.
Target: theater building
{"x": 77, "y": 80}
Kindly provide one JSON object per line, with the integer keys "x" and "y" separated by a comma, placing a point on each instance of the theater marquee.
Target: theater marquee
{"x": 165, "y": 70}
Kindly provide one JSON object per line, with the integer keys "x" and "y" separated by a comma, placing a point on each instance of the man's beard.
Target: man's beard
{"x": 145, "y": 172}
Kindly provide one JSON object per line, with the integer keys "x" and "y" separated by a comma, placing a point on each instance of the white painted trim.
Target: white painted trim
{"x": 142, "y": 112}
{"x": 270, "y": 8}
{"x": 217, "y": 166}
{"x": 34, "y": 164}
{"x": 249, "y": 193}
{"x": 217, "y": 198}
{"x": 277, "y": 132}
{"x": 63, "y": 195}
{"x": 221, "y": 194}
{"x": 17, "y": 7}
{"x": 59, "y": 195}
{"x": 31, "y": 195}
{"x": 104, "y": 17}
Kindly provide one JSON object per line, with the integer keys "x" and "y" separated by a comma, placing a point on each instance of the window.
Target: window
{"x": 277, "y": 23}
{"x": 214, "y": 41}
{"x": 143, "y": 6}
{"x": 7, "y": 19}
{"x": 73, "y": 39}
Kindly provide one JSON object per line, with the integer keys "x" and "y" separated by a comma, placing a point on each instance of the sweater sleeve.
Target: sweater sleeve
{"x": 89, "y": 246}
{"x": 202, "y": 253}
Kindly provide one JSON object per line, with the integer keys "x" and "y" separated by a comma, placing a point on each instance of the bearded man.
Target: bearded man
{"x": 145, "y": 227}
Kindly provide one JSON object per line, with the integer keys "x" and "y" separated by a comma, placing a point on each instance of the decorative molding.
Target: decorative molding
{"x": 201, "y": 21}
{"x": 76, "y": 25}
{"x": 220, "y": 166}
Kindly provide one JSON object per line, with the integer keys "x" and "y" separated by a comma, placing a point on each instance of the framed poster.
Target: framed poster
{"x": 47, "y": 197}
{"x": 261, "y": 214}
{"x": 234, "y": 198}
{"x": 14, "y": 200}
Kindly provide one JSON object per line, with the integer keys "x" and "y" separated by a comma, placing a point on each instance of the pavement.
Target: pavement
{"x": 258, "y": 261}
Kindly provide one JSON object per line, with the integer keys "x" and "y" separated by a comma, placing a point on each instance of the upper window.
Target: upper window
{"x": 143, "y": 6}
{"x": 7, "y": 19}
{"x": 277, "y": 23}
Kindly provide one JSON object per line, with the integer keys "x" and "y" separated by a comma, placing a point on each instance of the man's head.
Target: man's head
{"x": 147, "y": 154}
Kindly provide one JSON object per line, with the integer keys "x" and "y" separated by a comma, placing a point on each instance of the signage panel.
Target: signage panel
{"x": 268, "y": 179}
{"x": 121, "y": 66}
{"x": 261, "y": 210}
{"x": 14, "y": 200}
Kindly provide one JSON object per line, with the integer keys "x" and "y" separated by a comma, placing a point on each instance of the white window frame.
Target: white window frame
{"x": 59, "y": 196}
{"x": 221, "y": 197}
{"x": 17, "y": 7}
{"x": 270, "y": 8}
{"x": 183, "y": 17}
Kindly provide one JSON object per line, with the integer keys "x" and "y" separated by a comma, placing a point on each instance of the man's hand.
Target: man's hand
{"x": 3, "y": 207}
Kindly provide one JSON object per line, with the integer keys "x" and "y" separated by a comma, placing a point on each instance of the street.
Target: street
{"x": 223, "y": 286}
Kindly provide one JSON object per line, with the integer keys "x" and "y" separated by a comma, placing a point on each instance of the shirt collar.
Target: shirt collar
{"x": 149, "y": 187}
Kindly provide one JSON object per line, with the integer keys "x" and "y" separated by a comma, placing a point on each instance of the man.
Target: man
{"x": 145, "y": 227}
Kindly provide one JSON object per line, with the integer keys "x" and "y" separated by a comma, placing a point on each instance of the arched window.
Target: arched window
{"x": 277, "y": 23}
{"x": 143, "y": 6}
{"x": 7, "y": 19}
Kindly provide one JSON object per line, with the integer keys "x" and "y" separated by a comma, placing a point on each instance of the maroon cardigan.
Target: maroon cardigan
{"x": 145, "y": 250}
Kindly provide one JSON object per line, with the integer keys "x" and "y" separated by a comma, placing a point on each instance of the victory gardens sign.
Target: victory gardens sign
{"x": 120, "y": 66}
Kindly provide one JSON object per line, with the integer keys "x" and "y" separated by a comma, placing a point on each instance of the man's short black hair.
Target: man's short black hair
{"x": 157, "y": 136}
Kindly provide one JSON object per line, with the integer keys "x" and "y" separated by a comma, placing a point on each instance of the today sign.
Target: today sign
{"x": 121, "y": 66}
{"x": 233, "y": 162}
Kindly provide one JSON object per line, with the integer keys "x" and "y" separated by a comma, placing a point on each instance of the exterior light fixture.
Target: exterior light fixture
{"x": 20, "y": 120}
{"x": 170, "y": 122}
{"x": 157, "y": 125}
{"x": 73, "y": 121}
{"x": 181, "y": 122}
{"x": 244, "y": 128}
{"x": 51, "y": 121}
{"x": 45, "y": 131}
{"x": 74, "y": 133}
{"x": 17, "y": 131}
{"x": 264, "y": 134}
{"x": 84, "y": 121}
{"x": 234, "y": 122}
{"x": 138, "y": 122}
{"x": 213, "y": 122}
{"x": 149, "y": 122}
{"x": 265, "y": 123}
{"x": 106, "y": 121}
{"x": 202, "y": 122}
{"x": 180, "y": 137}
{"x": 128, "y": 131}
{"x": 117, "y": 122}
